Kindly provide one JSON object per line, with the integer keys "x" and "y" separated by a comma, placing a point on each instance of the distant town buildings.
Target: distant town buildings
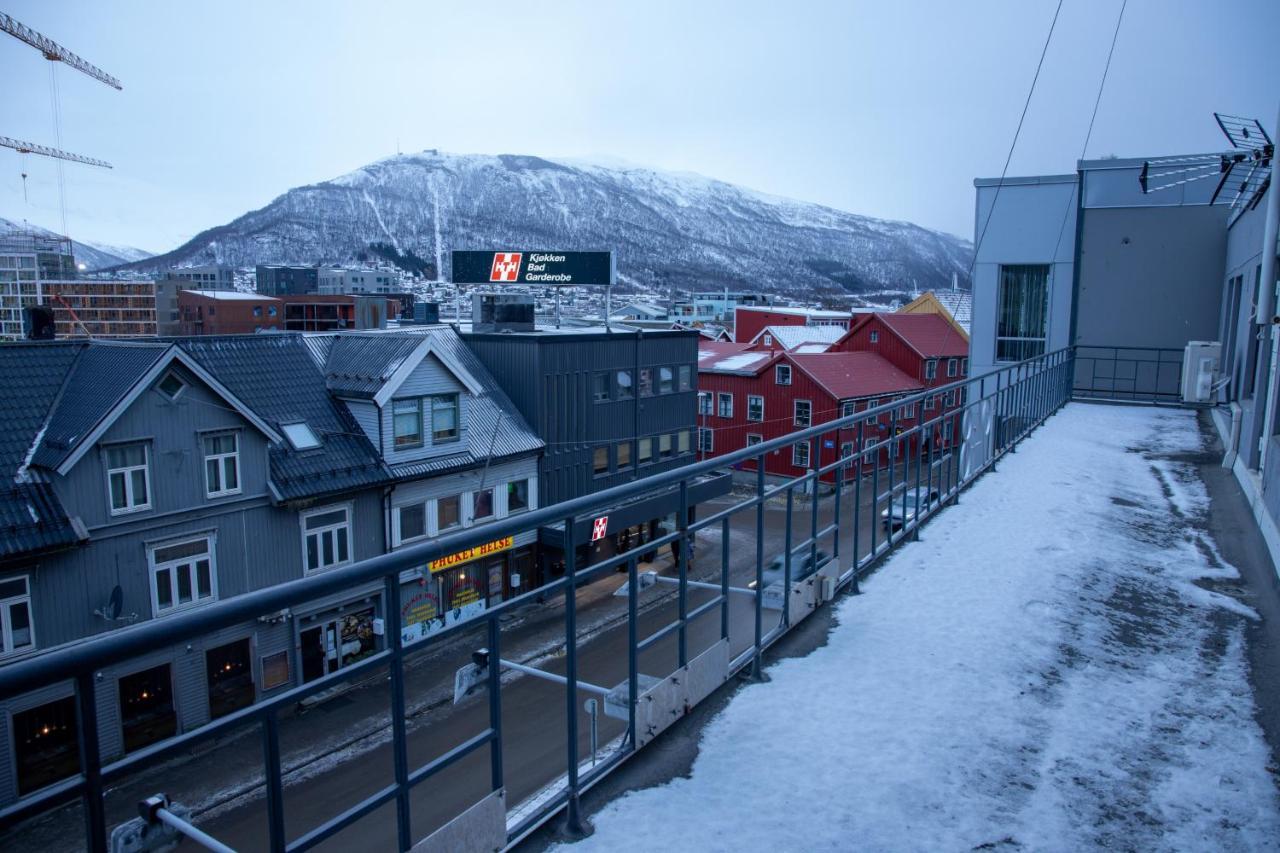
{"x": 282, "y": 280}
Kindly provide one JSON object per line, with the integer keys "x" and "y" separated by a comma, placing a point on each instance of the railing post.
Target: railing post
{"x": 919, "y": 454}
{"x": 893, "y": 464}
{"x": 274, "y": 784}
{"x": 95, "y": 813}
{"x": 633, "y": 656}
{"x": 682, "y": 526}
{"x": 399, "y": 741}
{"x": 724, "y": 579}
{"x": 814, "y": 445}
{"x": 759, "y": 597}
{"x": 495, "y": 704}
{"x": 857, "y": 507}
{"x": 573, "y": 818}
{"x": 786, "y": 557}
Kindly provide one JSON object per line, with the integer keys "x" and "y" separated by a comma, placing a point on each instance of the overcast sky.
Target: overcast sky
{"x": 888, "y": 108}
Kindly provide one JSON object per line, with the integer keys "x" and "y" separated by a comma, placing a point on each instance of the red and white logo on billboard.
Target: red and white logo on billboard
{"x": 599, "y": 527}
{"x": 506, "y": 266}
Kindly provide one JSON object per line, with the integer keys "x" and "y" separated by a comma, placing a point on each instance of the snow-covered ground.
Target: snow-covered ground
{"x": 1039, "y": 672}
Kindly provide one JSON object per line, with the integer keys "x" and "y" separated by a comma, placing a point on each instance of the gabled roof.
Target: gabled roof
{"x": 277, "y": 377}
{"x": 930, "y": 335}
{"x": 735, "y": 358}
{"x": 955, "y": 305}
{"x": 792, "y": 337}
{"x": 846, "y": 375}
{"x": 372, "y": 365}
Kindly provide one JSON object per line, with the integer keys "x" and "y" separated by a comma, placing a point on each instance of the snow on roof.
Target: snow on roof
{"x": 741, "y": 361}
{"x": 811, "y": 348}
{"x": 792, "y": 337}
{"x": 959, "y": 303}
{"x": 230, "y": 295}
{"x": 1010, "y": 678}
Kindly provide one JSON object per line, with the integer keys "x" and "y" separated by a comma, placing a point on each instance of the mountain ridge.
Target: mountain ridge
{"x": 668, "y": 229}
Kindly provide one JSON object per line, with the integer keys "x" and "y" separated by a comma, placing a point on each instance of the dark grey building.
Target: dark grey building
{"x": 281, "y": 280}
{"x": 146, "y": 479}
{"x": 612, "y": 407}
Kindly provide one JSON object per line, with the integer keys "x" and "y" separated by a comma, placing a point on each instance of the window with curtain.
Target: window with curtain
{"x": 1022, "y": 311}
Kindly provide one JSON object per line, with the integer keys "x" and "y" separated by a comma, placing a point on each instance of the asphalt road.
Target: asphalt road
{"x": 533, "y": 710}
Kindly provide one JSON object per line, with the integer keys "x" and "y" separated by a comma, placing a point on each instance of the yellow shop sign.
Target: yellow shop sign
{"x": 470, "y": 554}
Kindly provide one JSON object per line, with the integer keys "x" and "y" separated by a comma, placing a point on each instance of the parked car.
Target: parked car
{"x": 903, "y": 509}
{"x": 801, "y": 567}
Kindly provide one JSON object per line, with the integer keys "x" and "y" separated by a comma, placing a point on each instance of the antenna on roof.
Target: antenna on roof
{"x": 1243, "y": 173}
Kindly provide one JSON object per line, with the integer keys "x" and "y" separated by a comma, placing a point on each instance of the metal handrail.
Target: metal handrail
{"x": 1015, "y": 397}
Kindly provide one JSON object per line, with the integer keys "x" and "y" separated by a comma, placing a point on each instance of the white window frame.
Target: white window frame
{"x": 722, "y": 411}
{"x": 795, "y": 414}
{"x": 848, "y": 408}
{"x": 397, "y": 538}
{"x": 6, "y": 619}
{"x": 333, "y": 529}
{"x": 711, "y": 440}
{"x": 952, "y": 366}
{"x": 846, "y": 449}
{"x": 871, "y": 404}
{"x": 929, "y": 402}
{"x": 964, "y": 367}
{"x": 754, "y": 438}
{"x": 172, "y": 566}
{"x": 706, "y": 405}
{"x": 796, "y": 454}
{"x": 931, "y": 368}
{"x": 127, "y": 471}
{"x": 907, "y": 411}
{"x": 756, "y": 401}
{"x": 874, "y": 336}
{"x": 433, "y": 514}
{"x": 778, "y": 373}
{"x": 221, "y": 460}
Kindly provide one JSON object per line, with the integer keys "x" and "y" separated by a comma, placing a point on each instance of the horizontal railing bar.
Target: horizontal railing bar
{"x": 656, "y": 636}
{"x": 341, "y": 821}
{"x": 693, "y": 614}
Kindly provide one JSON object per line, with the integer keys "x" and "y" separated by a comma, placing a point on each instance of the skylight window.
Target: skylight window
{"x": 171, "y": 386}
{"x": 300, "y": 436}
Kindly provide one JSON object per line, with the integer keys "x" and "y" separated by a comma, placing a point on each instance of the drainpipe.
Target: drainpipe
{"x": 1267, "y": 295}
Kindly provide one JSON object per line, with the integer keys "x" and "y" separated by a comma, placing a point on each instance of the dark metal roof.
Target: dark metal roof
{"x": 359, "y": 365}
{"x": 277, "y": 377}
{"x": 30, "y": 517}
{"x": 103, "y": 374}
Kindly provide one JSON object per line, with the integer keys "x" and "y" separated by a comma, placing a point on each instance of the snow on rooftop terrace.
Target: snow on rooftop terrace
{"x": 1039, "y": 672}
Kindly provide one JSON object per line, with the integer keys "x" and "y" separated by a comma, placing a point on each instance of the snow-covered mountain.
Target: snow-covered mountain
{"x": 94, "y": 256}
{"x": 667, "y": 229}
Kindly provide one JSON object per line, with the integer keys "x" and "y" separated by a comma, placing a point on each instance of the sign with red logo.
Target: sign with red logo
{"x": 535, "y": 268}
{"x": 599, "y": 527}
{"x": 506, "y": 266}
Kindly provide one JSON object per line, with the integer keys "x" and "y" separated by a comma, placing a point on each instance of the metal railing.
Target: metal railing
{"x": 930, "y": 458}
{"x": 1129, "y": 374}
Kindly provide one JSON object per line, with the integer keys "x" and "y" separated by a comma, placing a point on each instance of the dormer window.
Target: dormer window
{"x": 444, "y": 417}
{"x": 406, "y": 420}
{"x": 171, "y": 386}
{"x": 300, "y": 436}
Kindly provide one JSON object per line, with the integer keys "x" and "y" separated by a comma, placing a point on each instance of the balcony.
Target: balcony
{"x": 1047, "y": 644}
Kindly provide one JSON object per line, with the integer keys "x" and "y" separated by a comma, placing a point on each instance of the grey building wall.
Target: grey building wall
{"x": 548, "y": 377}
{"x": 429, "y": 377}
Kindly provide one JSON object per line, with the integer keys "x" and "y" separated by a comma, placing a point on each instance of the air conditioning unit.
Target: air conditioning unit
{"x": 1200, "y": 370}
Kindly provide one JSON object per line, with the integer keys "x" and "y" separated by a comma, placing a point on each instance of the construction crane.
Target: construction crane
{"x": 53, "y": 51}
{"x": 32, "y": 148}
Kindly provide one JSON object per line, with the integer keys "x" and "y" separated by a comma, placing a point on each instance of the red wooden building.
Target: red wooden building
{"x": 749, "y": 321}
{"x": 748, "y": 395}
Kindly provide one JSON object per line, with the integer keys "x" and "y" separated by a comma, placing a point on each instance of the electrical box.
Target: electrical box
{"x": 1200, "y": 370}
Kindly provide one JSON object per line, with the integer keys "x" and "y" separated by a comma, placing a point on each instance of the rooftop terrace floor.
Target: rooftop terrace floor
{"x": 1067, "y": 660}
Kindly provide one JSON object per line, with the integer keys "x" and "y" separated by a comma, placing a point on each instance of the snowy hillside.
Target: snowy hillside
{"x": 669, "y": 230}
{"x": 94, "y": 256}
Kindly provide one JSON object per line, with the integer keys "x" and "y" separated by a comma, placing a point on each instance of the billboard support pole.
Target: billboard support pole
{"x": 557, "y": 307}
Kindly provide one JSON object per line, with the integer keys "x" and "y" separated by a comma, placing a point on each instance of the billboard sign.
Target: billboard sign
{"x": 544, "y": 269}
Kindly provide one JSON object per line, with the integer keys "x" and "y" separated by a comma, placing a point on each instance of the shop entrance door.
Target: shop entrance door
{"x": 336, "y": 642}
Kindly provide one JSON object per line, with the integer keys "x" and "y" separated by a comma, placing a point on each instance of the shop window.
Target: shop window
{"x": 326, "y": 537}
{"x": 46, "y": 745}
{"x": 128, "y": 478}
{"x": 444, "y": 417}
{"x": 229, "y": 676}
{"x": 448, "y": 513}
{"x": 600, "y": 460}
{"x": 182, "y": 575}
{"x": 17, "y": 634}
{"x": 221, "y": 464}
{"x": 146, "y": 707}
{"x": 624, "y": 455}
{"x": 645, "y": 451}
{"x": 686, "y": 378}
{"x": 331, "y": 643}
{"x": 517, "y": 496}
{"x": 406, "y": 423}
{"x": 646, "y": 382}
{"x": 666, "y": 380}
{"x": 625, "y": 391}
{"x": 600, "y": 386}
{"x": 275, "y": 670}
{"x": 482, "y": 505}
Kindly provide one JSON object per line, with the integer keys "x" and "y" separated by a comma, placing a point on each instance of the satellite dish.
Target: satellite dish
{"x": 116, "y": 602}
